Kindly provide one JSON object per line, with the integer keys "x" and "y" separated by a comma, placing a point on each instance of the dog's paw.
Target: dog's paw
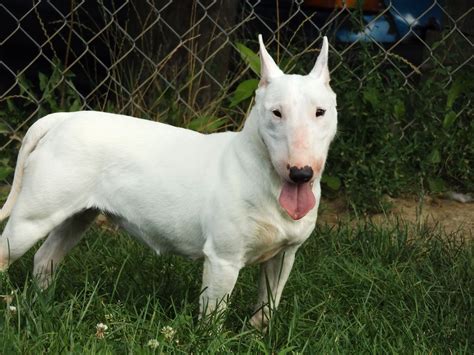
{"x": 43, "y": 280}
{"x": 3, "y": 265}
{"x": 260, "y": 321}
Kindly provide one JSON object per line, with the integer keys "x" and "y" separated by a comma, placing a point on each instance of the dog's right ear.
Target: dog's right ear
{"x": 268, "y": 67}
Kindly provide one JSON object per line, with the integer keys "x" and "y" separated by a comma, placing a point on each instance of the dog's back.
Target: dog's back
{"x": 232, "y": 198}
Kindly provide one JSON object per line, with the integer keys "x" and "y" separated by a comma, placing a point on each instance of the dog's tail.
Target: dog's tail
{"x": 37, "y": 131}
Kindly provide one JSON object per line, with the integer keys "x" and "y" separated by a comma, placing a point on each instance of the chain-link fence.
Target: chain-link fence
{"x": 181, "y": 61}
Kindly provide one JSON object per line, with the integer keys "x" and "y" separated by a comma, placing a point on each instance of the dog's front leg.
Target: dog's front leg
{"x": 219, "y": 278}
{"x": 273, "y": 276}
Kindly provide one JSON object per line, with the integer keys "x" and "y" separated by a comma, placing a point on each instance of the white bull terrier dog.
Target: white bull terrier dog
{"x": 233, "y": 199}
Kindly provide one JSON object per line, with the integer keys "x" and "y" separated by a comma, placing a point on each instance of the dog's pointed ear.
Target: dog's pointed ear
{"x": 321, "y": 70}
{"x": 268, "y": 67}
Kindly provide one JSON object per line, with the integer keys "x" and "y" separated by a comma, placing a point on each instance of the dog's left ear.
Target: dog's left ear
{"x": 320, "y": 69}
{"x": 268, "y": 67}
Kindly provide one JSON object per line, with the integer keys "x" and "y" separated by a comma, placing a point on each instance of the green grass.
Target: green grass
{"x": 370, "y": 289}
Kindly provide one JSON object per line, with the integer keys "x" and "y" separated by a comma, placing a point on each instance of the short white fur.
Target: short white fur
{"x": 212, "y": 196}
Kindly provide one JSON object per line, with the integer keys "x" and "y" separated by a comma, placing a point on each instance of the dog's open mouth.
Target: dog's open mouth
{"x": 297, "y": 199}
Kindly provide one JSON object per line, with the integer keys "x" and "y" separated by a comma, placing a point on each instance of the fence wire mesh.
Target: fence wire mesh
{"x": 180, "y": 61}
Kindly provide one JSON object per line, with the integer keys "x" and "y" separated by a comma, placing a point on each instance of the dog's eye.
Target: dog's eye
{"x": 320, "y": 112}
{"x": 277, "y": 113}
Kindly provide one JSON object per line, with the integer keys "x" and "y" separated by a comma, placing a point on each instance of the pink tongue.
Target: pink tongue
{"x": 297, "y": 199}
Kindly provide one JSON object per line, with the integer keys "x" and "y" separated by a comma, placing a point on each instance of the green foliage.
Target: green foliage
{"x": 333, "y": 182}
{"x": 249, "y": 57}
{"x": 245, "y": 90}
{"x": 5, "y": 168}
{"x": 247, "y": 87}
{"x": 394, "y": 136}
{"x": 367, "y": 289}
{"x": 393, "y": 139}
{"x": 46, "y": 95}
{"x": 49, "y": 94}
{"x": 206, "y": 124}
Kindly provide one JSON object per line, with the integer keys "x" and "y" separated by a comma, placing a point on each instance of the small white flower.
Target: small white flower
{"x": 102, "y": 326}
{"x": 153, "y": 344}
{"x": 12, "y": 309}
{"x": 7, "y": 298}
{"x": 100, "y": 330}
{"x": 168, "y": 332}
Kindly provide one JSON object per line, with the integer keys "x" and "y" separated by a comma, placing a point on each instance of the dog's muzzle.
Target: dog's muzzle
{"x": 301, "y": 175}
{"x": 296, "y": 196}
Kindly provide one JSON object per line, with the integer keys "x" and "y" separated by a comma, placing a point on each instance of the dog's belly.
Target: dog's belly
{"x": 158, "y": 238}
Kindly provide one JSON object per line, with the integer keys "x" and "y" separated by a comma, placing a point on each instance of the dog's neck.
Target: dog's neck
{"x": 251, "y": 149}
{"x": 250, "y": 137}
{"x": 251, "y": 134}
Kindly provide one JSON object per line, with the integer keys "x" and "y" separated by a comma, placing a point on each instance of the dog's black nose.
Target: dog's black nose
{"x": 300, "y": 175}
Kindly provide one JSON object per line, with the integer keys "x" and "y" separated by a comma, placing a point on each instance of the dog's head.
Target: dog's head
{"x": 297, "y": 122}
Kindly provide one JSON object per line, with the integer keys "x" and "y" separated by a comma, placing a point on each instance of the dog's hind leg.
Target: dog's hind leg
{"x": 59, "y": 242}
{"x": 19, "y": 235}
{"x": 33, "y": 217}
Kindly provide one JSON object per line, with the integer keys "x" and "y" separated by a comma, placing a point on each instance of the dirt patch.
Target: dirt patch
{"x": 450, "y": 215}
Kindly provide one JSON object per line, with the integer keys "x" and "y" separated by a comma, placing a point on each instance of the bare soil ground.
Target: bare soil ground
{"x": 452, "y": 216}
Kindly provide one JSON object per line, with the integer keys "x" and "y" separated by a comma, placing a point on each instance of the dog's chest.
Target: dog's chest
{"x": 268, "y": 239}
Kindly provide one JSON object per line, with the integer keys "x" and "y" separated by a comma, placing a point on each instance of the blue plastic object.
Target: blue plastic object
{"x": 402, "y": 19}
